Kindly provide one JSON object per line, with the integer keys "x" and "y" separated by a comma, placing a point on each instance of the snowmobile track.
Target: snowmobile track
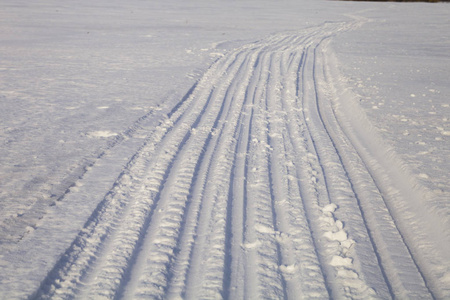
{"x": 253, "y": 186}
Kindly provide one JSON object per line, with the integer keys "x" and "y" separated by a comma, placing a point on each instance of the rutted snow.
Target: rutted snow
{"x": 213, "y": 149}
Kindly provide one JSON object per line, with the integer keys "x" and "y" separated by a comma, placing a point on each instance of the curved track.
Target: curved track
{"x": 250, "y": 188}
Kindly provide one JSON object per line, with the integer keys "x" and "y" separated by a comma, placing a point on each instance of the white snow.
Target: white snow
{"x": 224, "y": 149}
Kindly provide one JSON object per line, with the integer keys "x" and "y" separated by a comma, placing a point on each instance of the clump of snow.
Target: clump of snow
{"x": 339, "y": 261}
{"x": 101, "y": 134}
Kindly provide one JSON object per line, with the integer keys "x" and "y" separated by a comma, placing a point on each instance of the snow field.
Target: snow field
{"x": 259, "y": 183}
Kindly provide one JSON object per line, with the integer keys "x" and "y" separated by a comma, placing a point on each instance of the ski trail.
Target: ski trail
{"x": 251, "y": 187}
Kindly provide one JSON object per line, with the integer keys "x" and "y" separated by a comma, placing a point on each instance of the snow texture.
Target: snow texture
{"x": 224, "y": 149}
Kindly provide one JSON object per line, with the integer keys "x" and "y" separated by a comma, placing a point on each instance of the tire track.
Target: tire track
{"x": 134, "y": 186}
{"x": 398, "y": 255}
{"x": 300, "y": 269}
{"x": 342, "y": 264}
{"x": 249, "y": 188}
{"x": 159, "y": 177}
{"x": 173, "y": 190}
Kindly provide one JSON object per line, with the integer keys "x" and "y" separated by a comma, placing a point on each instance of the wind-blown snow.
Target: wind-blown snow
{"x": 224, "y": 149}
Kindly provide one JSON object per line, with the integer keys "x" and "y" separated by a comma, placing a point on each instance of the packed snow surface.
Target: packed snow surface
{"x": 224, "y": 149}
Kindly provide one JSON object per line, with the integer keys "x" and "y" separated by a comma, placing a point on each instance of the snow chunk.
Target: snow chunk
{"x": 339, "y": 224}
{"x": 338, "y": 261}
{"x": 345, "y": 273}
{"x": 101, "y": 134}
{"x": 329, "y": 208}
{"x": 340, "y": 236}
{"x": 348, "y": 243}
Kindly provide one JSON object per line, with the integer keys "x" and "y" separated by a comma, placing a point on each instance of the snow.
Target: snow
{"x": 224, "y": 149}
